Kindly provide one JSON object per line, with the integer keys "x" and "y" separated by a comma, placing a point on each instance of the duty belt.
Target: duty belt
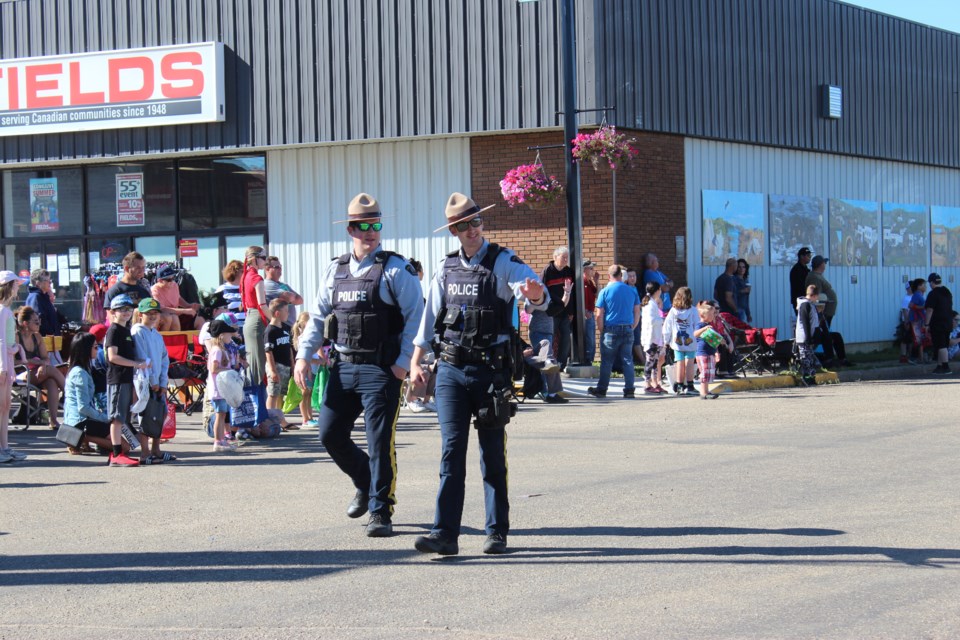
{"x": 496, "y": 356}
{"x": 372, "y": 357}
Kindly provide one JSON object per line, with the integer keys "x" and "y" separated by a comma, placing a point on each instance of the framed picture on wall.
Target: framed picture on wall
{"x": 733, "y": 227}
{"x": 854, "y": 227}
{"x": 795, "y": 222}
{"x": 905, "y": 242}
{"x": 945, "y": 236}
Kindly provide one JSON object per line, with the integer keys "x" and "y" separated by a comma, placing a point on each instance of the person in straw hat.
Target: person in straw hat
{"x": 369, "y": 305}
{"x": 470, "y": 305}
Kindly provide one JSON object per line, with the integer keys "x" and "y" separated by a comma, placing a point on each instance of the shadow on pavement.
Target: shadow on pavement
{"x": 671, "y": 531}
{"x": 187, "y": 567}
{"x": 42, "y": 485}
{"x": 938, "y": 558}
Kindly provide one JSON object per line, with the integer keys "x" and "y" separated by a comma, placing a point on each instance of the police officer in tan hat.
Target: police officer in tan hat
{"x": 369, "y": 305}
{"x": 470, "y": 305}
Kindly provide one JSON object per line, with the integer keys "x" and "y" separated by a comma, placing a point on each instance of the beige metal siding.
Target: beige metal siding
{"x": 311, "y": 188}
{"x": 868, "y": 309}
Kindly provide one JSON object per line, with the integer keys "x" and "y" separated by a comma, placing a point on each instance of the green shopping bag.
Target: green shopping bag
{"x": 319, "y": 386}
{"x": 293, "y": 397}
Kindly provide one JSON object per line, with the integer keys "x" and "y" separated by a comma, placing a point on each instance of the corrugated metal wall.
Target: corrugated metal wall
{"x": 305, "y": 71}
{"x": 869, "y": 309}
{"x": 311, "y": 188}
{"x": 750, "y": 71}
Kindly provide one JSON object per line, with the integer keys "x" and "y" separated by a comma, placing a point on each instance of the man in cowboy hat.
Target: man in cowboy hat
{"x": 369, "y": 305}
{"x": 470, "y": 305}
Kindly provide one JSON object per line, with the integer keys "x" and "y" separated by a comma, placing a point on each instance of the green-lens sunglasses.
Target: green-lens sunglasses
{"x": 463, "y": 226}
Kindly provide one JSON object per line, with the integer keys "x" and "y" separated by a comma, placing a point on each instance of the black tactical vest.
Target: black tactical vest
{"x": 471, "y": 314}
{"x": 365, "y": 323}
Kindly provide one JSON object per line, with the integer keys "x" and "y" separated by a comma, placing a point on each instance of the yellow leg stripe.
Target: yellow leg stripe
{"x": 393, "y": 453}
{"x": 506, "y": 466}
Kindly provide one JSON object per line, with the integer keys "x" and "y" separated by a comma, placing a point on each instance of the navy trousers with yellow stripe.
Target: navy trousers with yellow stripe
{"x": 460, "y": 392}
{"x": 374, "y": 390}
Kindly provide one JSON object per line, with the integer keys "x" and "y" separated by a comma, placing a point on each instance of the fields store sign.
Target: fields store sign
{"x": 112, "y": 90}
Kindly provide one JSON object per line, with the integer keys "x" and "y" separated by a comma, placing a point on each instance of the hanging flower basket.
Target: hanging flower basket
{"x": 605, "y": 148}
{"x": 530, "y": 185}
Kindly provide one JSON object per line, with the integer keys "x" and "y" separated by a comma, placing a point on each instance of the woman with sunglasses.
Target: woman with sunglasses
{"x": 39, "y": 297}
{"x": 374, "y": 301}
{"x": 254, "y": 298}
{"x": 37, "y": 360}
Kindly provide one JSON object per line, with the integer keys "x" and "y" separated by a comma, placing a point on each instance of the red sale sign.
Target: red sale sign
{"x": 130, "y": 211}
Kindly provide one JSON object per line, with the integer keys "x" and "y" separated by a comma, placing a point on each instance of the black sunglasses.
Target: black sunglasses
{"x": 367, "y": 226}
{"x": 463, "y": 226}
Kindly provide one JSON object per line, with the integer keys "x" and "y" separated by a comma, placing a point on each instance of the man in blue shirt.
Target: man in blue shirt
{"x": 618, "y": 312}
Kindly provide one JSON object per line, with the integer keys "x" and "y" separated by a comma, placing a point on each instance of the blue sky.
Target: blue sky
{"x": 944, "y": 14}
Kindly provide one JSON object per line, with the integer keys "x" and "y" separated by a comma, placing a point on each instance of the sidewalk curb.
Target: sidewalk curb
{"x": 768, "y": 382}
{"x": 896, "y": 372}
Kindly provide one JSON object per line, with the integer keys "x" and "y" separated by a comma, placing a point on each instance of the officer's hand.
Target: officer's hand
{"x": 418, "y": 377}
{"x": 531, "y": 290}
{"x": 399, "y": 372}
{"x": 301, "y": 373}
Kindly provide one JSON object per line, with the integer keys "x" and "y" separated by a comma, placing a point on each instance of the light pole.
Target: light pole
{"x": 568, "y": 47}
{"x": 568, "y": 54}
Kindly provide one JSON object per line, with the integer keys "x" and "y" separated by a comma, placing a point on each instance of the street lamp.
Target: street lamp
{"x": 574, "y": 216}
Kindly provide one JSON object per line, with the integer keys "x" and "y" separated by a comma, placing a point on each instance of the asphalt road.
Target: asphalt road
{"x": 828, "y": 512}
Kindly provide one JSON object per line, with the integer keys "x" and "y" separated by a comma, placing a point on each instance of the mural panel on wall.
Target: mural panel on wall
{"x": 733, "y": 227}
{"x": 945, "y": 236}
{"x": 854, "y": 233}
{"x": 795, "y": 222}
{"x": 905, "y": 241}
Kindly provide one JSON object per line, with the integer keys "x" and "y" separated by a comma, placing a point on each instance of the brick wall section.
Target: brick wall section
{"x": 651, "y": 202}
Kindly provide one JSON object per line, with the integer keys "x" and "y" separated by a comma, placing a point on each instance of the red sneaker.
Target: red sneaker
{"x": 123, "y": 460}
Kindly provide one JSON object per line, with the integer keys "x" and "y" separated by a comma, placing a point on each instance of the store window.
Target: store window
{"x": 202, "y": 260}
{"x": 131, "y": 198}
{"x": 106, "y": 251}
{"x": 223, "y": 193}
{"x": 42, "y": 203}
{"x": 157, "y": 248}
{"x": 62, "y": 259}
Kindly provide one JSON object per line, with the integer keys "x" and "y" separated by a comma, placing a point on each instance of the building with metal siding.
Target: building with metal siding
{"x": 307, "y": 80}
{"x": 305, "y": 72}
{"x": 869, "y": 296}
{"x": 750, "y": 71}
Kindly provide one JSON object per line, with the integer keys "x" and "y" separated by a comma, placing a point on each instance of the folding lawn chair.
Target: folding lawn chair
{"x": 758, "y": 352}
{"x": 186, "y": 375}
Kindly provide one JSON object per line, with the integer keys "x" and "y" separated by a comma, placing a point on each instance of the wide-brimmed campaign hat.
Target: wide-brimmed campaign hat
{"x": 461, "y": 208}
{"x": 363, "y": 208}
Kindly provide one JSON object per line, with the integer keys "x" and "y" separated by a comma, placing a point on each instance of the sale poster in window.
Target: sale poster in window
{"x": 130, "y": 211}
{"x": 44, "y": 206}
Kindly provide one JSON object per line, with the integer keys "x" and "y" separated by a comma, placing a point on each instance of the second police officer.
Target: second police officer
{"x": 469, "y": 308}
{"x": 369, "y": 305}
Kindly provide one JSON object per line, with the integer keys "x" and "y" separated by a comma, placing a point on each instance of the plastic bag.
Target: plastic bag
{"x": 294, "y": 395}
{"x": 141, "y": 386}
{"x": 169, "y": 423}
{"x": 230, "y": 385}
{"x": 319, "y": 386}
